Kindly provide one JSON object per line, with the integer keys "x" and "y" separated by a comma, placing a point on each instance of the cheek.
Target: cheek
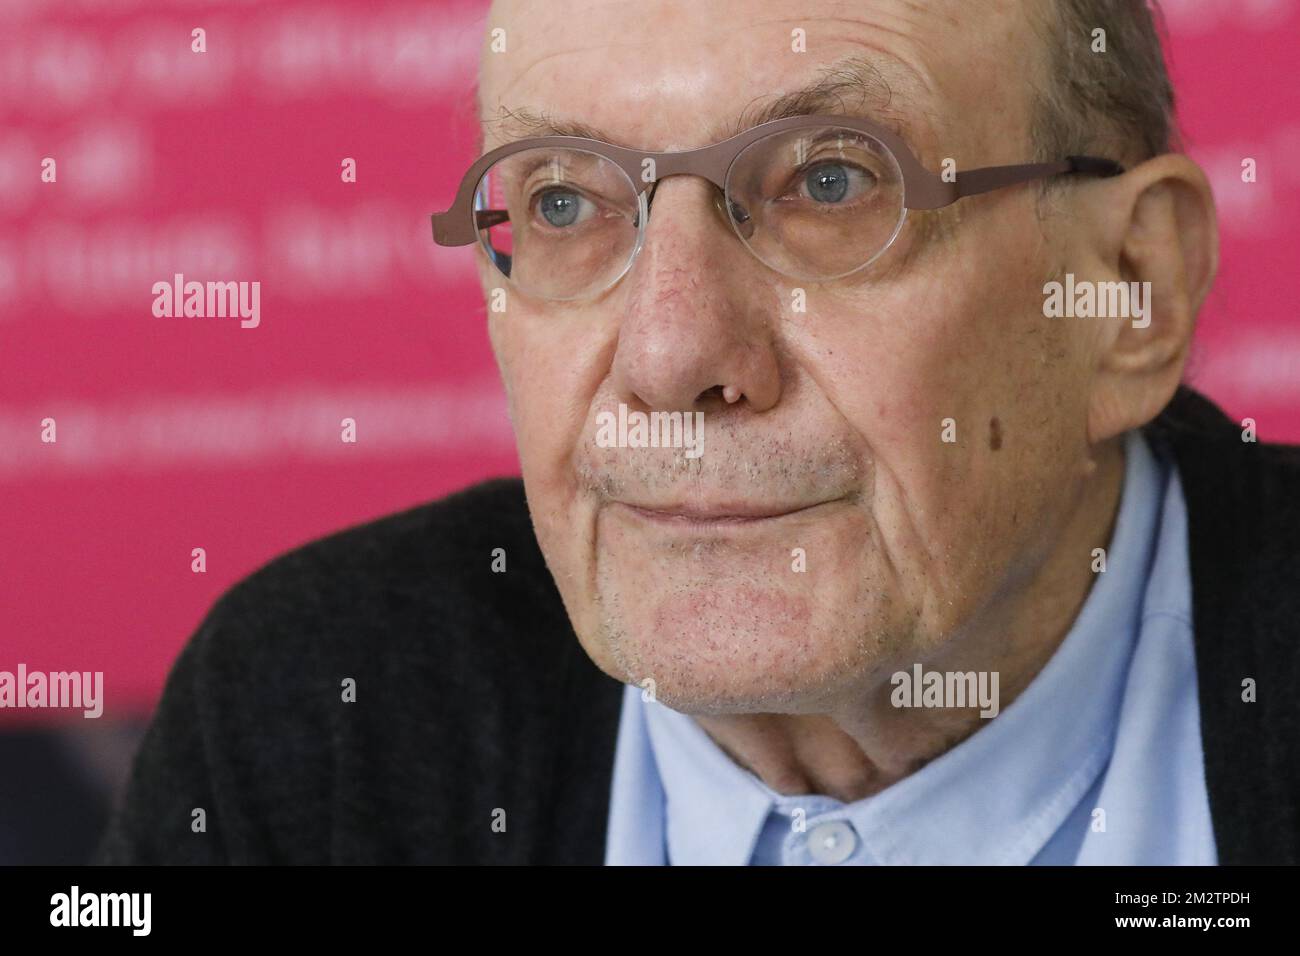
{"x": 921, "y": 369}
{"x": 551, "y": 369}
{"x": 896, "y": 363}
{"x": 549, "y": 383}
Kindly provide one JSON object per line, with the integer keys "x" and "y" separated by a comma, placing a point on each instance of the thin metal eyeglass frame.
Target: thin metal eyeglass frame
{"x": 461, "y": 224}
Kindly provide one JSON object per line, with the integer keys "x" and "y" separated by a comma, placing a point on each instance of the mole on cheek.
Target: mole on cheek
{"x": 995, "y": 433}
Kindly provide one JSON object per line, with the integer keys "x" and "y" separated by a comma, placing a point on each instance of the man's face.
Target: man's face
{"x": 828, "y": 534}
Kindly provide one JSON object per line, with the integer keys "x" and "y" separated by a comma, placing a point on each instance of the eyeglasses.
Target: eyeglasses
{"x": 815, "y": 198}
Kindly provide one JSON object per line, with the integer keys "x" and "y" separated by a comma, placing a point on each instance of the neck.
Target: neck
{"x": 866, "y": 744}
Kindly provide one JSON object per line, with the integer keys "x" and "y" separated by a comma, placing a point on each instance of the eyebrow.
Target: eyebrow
{"x": 852, "y": 87}
{"x": 512, "y": 124}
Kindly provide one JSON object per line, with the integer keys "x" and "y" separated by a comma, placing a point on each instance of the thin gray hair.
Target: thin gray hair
{"x": 1118, "y": 103}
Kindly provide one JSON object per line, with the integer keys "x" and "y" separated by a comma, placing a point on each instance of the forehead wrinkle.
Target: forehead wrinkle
{"x": 908, "y": 67}
{"x": 597, "y": 48}
{"x": 851, "y": 86}
{"x": 923, "y": 54}
{"x": 901, "y": 69}
{"x": 862, "y": 84}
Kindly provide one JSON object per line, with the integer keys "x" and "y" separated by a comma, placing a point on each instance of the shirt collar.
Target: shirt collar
{"x": 714, "y": 810}
{"x": 999, "y": 795}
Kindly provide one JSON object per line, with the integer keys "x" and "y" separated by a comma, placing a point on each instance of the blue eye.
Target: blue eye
{"x": 561, "y": 207}
{"x": 832, "y": 182}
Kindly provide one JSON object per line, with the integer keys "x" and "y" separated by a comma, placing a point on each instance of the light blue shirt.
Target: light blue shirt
{"x": 1098, "y": 761}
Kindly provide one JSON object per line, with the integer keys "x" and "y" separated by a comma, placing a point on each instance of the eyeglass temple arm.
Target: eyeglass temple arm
{"x": 984, "y": 180}
{"x": 445, "y": 233}
{"x": 970, "y": 183}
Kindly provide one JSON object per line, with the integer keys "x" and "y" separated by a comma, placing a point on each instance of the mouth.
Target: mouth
{"x": 719, "y": 516}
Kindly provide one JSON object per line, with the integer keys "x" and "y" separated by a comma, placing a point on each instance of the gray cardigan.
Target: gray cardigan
{"x": 474, "y": 697}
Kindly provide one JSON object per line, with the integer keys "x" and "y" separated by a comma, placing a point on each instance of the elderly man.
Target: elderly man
{"x": 863, "y": 517}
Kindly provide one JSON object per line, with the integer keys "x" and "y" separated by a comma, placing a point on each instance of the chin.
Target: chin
{"x": 714, "y": 612}
{"x": 733, "y": 646}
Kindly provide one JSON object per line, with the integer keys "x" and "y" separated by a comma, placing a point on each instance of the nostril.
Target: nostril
{"x": 725, "y": 394}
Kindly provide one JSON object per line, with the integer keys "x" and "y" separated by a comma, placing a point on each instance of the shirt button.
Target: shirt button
{"x": 832, "y": 842}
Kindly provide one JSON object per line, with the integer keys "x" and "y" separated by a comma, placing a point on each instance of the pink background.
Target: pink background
{"x": 181, "y": 433}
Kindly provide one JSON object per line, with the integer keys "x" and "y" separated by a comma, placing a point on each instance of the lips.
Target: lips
{"x": 722, "y": 514}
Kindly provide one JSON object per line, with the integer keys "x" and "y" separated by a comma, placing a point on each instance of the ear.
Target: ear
{"x": 1159, "y": 227}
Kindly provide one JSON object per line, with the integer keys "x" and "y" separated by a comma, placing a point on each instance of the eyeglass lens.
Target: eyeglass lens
{"x": 814, "y": 203}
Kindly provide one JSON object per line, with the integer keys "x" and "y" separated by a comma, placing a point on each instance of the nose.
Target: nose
{"x": 697, "y": 326}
